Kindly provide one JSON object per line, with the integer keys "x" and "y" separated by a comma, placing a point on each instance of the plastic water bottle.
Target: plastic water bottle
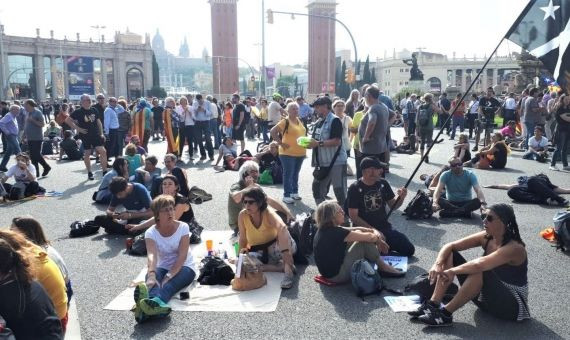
{"x": 304, "y": 141}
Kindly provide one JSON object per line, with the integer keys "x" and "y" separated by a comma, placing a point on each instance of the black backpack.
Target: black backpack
{"x": 419, "y": 207}
{"x": 215, "y": 271}
{"x": 308, "y": 231}
{"x": 562, "y": 230}
{"x": 83, "y": 228}
{"x": 421, "y": 286}
{"x": 138, "y": 246}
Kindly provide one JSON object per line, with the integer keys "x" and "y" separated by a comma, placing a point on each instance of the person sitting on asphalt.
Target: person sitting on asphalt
{"x": 24, "y": 176}
{"x": 496, "y": 154}
{"x": 248, "y": 176}
{"x": 70, "y": 147}
{"x": 496, "y": 282}
{"x": 336, "y": 248}
{"x": 182, "y": 209}
{"x": 457, "y": 183}
{"x": 137, "y": 142}
{"x": 172, "y": 169}
{"x": 267, "y": 156}
{"x": 537, "y": 146}
{"x": 461, "y": 149}
{"x": 367, "y": 200}
{"x": 120, "y": 168}
{"x": 26, "y": 306}
{"x": 261, "y": 230}
{"x": 148, "y": 174}
{"x": 169, "y": 261}
{"x": 534, "y": 189}
{"x": 45, "y": 271}
{"x": 510, "y": 132}
{"x": 33, "y": 231}
{"x": 133, "y": 197}
{"x": 228, "y": 152}
{"x": 135, "y": 160}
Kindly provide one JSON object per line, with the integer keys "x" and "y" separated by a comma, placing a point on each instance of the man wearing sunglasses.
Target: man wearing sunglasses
{"x": 457, "y": 183}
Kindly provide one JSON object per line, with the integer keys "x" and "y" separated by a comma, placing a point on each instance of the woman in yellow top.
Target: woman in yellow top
{"x": 263, "y": 123}
{"x": 356, "y": 120}
{"x": 261, "y": 230}
{"x": 291, "y": 154}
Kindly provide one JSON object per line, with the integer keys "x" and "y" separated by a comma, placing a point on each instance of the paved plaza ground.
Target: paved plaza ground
{"x": 100, "y": 269}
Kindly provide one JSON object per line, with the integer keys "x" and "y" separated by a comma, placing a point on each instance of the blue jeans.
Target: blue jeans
{"x": 165, "y": 292}
{"x": 291, "y": 168}
{"x": 121, "y": 135}
{"x": 203, "y": 133}
{"x": 529, "y": 133}
{"x": 562, "y": 144}
{"x": 263, "y": 127}
{"x": 215, "y": 133}
{"x": 457, "y": 121}
{"x": 12, "y": 147}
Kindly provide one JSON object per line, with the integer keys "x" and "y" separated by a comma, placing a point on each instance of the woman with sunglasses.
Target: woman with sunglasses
{"x": 262, "y": 230}
{"x": 496, "y": 282}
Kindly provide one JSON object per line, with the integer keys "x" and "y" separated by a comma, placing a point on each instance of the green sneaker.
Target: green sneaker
{"x": 154, "y": 307}
{"x": 140, "y": 316}
{"x": 141, "y": 292}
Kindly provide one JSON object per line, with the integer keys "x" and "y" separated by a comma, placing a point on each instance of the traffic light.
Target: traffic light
{"x": 269, "y": 16}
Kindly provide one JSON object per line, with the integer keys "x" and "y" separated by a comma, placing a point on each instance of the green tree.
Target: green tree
{"x": 284, "y": 83}
{"x": 402, "y": 93}
{"x": 366, "y": 72}
{"x": 157, "y": 91}
{"x": 343, "y": 89}
{"x": 155, "y": 72}
{"x": 373, "y": 76}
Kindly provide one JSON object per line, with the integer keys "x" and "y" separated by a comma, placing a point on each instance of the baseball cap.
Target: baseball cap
{"x": 372, "y": 162}
{"x": 322, "y": 101}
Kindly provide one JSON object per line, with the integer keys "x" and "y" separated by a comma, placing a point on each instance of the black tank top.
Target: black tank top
{"x": 187, "y": 216}
{"x": 514, "y": 275}
{"x": 500, "y": 160}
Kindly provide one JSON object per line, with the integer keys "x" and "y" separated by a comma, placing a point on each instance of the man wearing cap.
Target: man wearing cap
{"x": 328, "y": 152}
{"x": 373, "y": 129}
{"x": 367, "y": 200}
{"x": 457, "y": 183}
{"x": 275, "y": 111}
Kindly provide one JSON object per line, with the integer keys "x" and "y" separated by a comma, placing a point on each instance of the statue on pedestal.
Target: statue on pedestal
{"x": 415, "y": 72}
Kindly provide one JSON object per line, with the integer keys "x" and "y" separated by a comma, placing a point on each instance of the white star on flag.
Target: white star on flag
{"x": 549, "y": 11}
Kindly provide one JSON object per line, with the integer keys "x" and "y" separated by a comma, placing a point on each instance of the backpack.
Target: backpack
{"x": 196, "y": 230}
{"x": 421, "y": 286}
{"x": 424, "y": 115}
{"x": 308, "y": 231}
{"x": 419, "y": 207}
{"x": 83, "y": 228}
{"x": 365, "y": 279}
{"x": 300, "y": 257}
{"x": 277, "y": 172}
{"x": 562, "y": 230}
{"x": 215, "y": 271}
{"x": 137, "y": 247}
{"x": 47, "y": 147}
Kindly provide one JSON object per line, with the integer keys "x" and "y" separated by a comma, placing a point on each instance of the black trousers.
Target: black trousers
{"x": 467, "y": 206}
{"x": 536, "y": 191}
{"x": 35, "y": 148}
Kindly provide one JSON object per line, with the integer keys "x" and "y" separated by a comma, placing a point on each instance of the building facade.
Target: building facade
{"x": 224, "y": 47}
{"x": 48, "y": 68}
{"x": 441, "y": 72}
{"x": 321, "y": 47}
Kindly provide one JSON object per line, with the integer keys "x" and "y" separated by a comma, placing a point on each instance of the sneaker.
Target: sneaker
{"x": 553, "y": 168}
{"x": 566, "y": 168}
{"x": 436, "y": 318}
{"x": 140, "y": 293}
{"x": 475, "y": 148}
{"x": 140, "y": 316}
{"x": 426, "y": 308}
{"x": 46, "y": 171}
{"x": 288, "y": 281}
{"x": 202, "y": 158}
{"x": 3, "y": 169}
{"x": 211, "y": 158}
{"x": 90, "y": 176}
{"x": 288, "y": 200}
{"x": 154, "y": 307}
{"x": 296, "y": 197}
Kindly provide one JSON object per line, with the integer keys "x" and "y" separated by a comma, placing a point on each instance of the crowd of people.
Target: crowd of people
{"x": 354, "y": 226}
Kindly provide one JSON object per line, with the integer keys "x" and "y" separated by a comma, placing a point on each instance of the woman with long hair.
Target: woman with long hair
{"x": 496, "y": 282}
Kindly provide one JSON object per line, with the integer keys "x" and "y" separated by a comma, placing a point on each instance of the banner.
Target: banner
{"x": 80, "y": 80}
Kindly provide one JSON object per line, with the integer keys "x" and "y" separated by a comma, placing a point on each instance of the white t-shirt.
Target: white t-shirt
{"x": 274, "y": 113}
{"x": 510, "y": 104}
{"x": 186, "y": 116}
{"x": 168, "y": 246}
{"x": 19, "y": 174}
{"x": 403, "y": 106}
{"x": 536, "y": 144}
{"x": 214, "y": 110}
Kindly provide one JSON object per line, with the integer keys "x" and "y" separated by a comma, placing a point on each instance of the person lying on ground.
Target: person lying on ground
{"x": 496, "y": 282}
{"x": 495, "y": 154}
{"x": 45, "y": 271}
{"x": 26, "y": 306}
{"x": 70, "y": 147}
{"x": 367, "y": 200}
{"x": 120, "y": 168}
{"x": 33, "y": 231}
{"x": 262, "y": 231}
{"x": 133, "y": 197}
{"x": 336, "y": 248}
{"x": 534, "y": 189}
{"x": 228, "y": 152}
{"x": 24, "y": 177}
{"x": 169, "y": 261}
{"x": 457, "y": 183}
{"x": 182, "y": 209}
{"x": 461, "y": 149}
{"x": 537, "y": 146}
{"x": 248, "y": 177}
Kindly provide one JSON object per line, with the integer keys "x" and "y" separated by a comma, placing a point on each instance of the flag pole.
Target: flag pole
{"x": 445, "y": 123}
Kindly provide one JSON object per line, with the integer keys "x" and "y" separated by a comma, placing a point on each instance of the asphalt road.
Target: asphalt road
{"x": 100, "y": 269}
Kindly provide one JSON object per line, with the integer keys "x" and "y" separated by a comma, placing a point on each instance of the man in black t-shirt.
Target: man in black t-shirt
{"x": 367, "y": 201}
{"x": 488, "y": 107}
{"x": 158, "y": 122}
{"x": 238, "y": 121}
{"x": 90, "y": 131}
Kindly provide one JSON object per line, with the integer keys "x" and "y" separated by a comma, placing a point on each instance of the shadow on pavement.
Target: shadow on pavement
{"x": 79, "y": 188}
{"x": 350, "y": 307}
{"x": 151, "y": 328}
{"x": 115, "y": 244}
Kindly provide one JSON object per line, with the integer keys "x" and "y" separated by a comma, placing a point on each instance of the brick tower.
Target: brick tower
{"x": 224, "y": 47}
{"x": 321, "y": 46}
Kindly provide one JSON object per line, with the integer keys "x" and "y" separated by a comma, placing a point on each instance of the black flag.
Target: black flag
{"x": 543, "y": 29}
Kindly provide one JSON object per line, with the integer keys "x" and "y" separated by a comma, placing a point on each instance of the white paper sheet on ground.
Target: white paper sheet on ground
{"x": 398, "y": 262}
{"x": 403, "y": 303}
{"x": 213, "y": 298}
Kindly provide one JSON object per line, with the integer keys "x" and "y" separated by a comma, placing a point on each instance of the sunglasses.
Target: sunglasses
{"x": 487, "y": 217}
{"x": 248, "y": 202}
{"x": 456, "y": 165}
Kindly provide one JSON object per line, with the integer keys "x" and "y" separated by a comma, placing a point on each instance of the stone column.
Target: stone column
{"x": 65, "y": 77}
{"x": 495, "y": 76}
{"x": 40, "y": 77}
{"x": 53, "y": 72}
{"x": 464, "y": 80}
{"x": 104, "y": 77}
